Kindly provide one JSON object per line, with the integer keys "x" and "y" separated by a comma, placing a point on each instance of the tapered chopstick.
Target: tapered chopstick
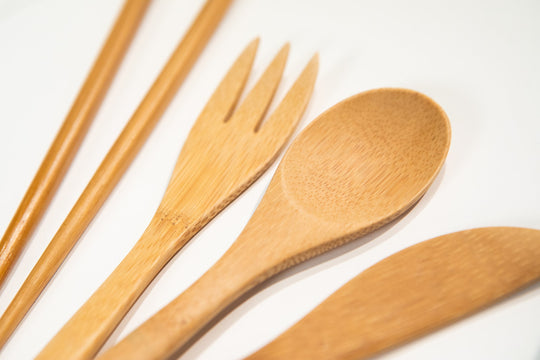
{"x": 69, "y": 138}
{"x": 115, "y": 162}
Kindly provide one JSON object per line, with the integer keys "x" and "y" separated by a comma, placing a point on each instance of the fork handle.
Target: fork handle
{"x": 115, "y": 163}
{"x": 175, "y": 324}
{"x": 84, "y": 334}
{"x": 257, "y": 254}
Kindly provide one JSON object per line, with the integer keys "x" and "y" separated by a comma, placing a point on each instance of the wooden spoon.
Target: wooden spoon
{"x": 358, "y": 166}
{"x": 413, "y": 292}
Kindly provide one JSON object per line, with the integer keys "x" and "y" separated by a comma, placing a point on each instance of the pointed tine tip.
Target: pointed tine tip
{"x": 281, "y": 56}
{"x": 314, "y": 63}
{"x": 287, "y": 115}
{"x": 310, "y": 71}
{"x": 253, "y": 44}
{"x": 315, "y": 59}
{"x": 280, "y": 59}
{"x": 253, "y": 109}
{"x": 251, "y": 49}
{"x": 284, "y": 51}
{"x": 224, "y": 99}
{"x": 286, "y": 46}
{"x": 278, "y": 62}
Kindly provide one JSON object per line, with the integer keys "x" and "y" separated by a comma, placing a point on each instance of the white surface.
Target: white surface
{"x": 478, "y": 59}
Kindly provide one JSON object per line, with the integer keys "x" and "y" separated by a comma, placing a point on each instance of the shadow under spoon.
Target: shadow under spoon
{"x": 358, "y": 166}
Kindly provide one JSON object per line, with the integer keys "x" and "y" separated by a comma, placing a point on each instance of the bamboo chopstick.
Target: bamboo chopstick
{"x": 115, "y": 162}
{"x": 70, "y": 135}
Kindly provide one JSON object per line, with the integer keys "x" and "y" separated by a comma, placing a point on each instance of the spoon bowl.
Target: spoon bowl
{"x": 367, "y": 159}
{"x": 359, "y": 165}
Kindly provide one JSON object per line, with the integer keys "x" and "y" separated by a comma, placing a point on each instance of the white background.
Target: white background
{"x": 480, "y": 60}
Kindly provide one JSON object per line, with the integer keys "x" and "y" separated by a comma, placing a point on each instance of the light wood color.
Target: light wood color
{"x": 221, "y": 157}
{"x": 69, "y": 137}
{"x": 358, "y": 166}
{"x": 412, "y": 293}
{"x": 115, "y": 163}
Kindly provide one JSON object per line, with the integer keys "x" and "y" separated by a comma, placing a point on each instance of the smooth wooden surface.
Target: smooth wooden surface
{"x": 358, "y": 166}
{"x": 115, "y": 162}
{"x": 413, "y": 292}
{"x": 221, "y": 157}
{"x": 487, "y": 84}
{"x": 70, "y": 135}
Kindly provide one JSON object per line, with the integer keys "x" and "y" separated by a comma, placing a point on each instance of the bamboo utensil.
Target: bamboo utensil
{"x": 70, "y": 135}
{"x": 115, "y": 162}
{"x": 356, "y": 167}
{"x": 221, "y": 157}
{"x": 413, "y": 292}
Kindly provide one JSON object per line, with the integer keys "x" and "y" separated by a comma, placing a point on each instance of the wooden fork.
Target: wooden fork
{"x": 221, "y": 157}
{"x": 115, "y": 163}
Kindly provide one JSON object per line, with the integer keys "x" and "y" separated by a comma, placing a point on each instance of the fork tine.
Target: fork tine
{"x": 252, "y": 110}
{"x": 222, "y": 102}
{"x": 281, "y": 124}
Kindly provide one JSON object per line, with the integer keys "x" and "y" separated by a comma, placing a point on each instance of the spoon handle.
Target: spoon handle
{"x": 252, "y": 258}
{"x": 256, "y": 255}
{"x": 175, "y": 324}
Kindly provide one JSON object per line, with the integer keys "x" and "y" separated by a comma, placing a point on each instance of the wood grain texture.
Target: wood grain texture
{"x": 221, "y": 157}
{"x": 412, "y": 293}
{"x": 356, "y": 167}
{"x": 115, "y": 163}
{"x": 68, "y": 139}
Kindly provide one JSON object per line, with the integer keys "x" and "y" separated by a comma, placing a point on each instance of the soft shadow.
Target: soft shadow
{"x": 114, "y": 338}
{"x": 227, "y": 317}
{"x": 521, "y": 295}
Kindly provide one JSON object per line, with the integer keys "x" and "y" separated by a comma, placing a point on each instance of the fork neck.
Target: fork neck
{"x": 169, "y": 229}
